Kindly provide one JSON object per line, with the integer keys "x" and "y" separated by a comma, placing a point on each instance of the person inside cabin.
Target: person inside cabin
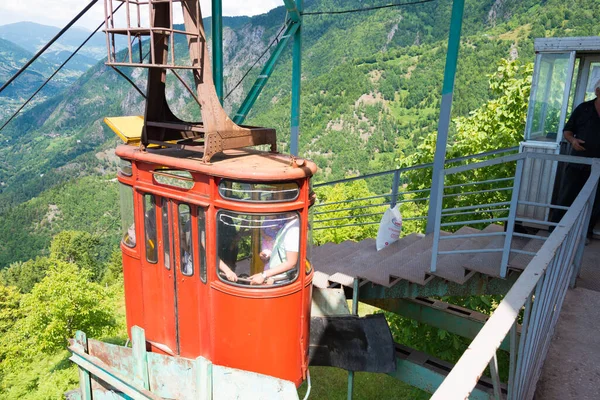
{"x": 582, "y": 131}
{"x": 185, "y": 238}
{"x": 228, "y": 248}
{"x": 281, "y": 260}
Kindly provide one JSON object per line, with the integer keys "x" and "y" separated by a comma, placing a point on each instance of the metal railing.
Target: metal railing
{"x": 341, "y": 214}
{"x": 537, "y": 295}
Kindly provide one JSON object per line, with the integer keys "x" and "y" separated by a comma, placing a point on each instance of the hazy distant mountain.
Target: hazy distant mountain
{"x": 79, "y": 62}
{"x": 13, "y": 57}
{"x": 32, "y": 36}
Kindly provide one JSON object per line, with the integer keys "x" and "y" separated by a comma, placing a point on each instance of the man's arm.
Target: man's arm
{"x": 231, "y": 276}
{"x": 290, "y": 263}
{"x": 569, "y": 130}
{"x": 576, "y": 143}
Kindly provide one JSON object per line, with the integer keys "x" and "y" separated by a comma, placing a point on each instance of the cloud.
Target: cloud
{"x": 60, "y": 12}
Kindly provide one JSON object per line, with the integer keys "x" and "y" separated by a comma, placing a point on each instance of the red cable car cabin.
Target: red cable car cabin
{"x": 215, "y": 256}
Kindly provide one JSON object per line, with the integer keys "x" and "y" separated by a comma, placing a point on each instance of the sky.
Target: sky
{"x": 60, "y": 12}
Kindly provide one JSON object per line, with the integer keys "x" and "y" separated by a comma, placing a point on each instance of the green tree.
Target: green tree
{"x": 9, "y": 307}
{"x": 497, "y": 124}
{"x": 338, "y": 199}
{"x": 114, "y": 269}
{"x": 80, "y": 248}
{"x": 61, "y": 303}
{"x": 24, "y": 275}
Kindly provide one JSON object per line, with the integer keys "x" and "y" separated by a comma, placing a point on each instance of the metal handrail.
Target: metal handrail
{"x": 420, "y": 166}
{"x": 392, "y": 197}
{"x": 541, "y": 288}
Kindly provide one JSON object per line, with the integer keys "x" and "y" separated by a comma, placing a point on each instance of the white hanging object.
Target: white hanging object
{"x": 389, "y": 228}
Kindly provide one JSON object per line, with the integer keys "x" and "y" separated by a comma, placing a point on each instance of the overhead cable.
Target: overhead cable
{"x": 132, "y": 83}
{"x": 43, "y": 49}
{"x": 366, "y": 8}
{"x": 57, "y": 70}
{"x": 256, "y": 61}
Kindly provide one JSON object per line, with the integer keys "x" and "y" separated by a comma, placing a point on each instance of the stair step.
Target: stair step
{"x": 453, "y": 267}
{"x": 320, "y": 280}
{"x": 349, "y": 268}
{"x": 489, "y": 263}
{"x": 451, "y": 272}
{"x": 386, "y": 270}
{"x": 520, "y": 261}
{"x": 324, "y": 262}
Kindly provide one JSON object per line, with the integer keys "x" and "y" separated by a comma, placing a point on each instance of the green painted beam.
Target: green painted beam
{"x": 293, "y": 10}
{"x": 476, "y": 286}
{"x": 217, "y": 45}
{"x": 439, "y": 158}
{"x": 427, "y": 373}
{"x": 458, "y": 320}
{"x": 264, "y": 75}
{"x": 296, "y": 87}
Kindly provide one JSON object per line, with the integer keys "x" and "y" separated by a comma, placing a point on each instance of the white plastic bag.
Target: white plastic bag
{"x": 389, "y": 228}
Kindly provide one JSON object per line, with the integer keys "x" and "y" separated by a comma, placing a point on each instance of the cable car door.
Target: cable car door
{"x": 158, "y": 274}
{"x": 190, "y": 277}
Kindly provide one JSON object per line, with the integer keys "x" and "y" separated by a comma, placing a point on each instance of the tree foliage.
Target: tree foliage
{"x": 499, "y": 123}
{"x": 9, "y": 307}
{"x": 61, "y": 303}
{"x": 24, "y": 275}
{"x": 337, "y": 200}
{"x": 80, "y": 248}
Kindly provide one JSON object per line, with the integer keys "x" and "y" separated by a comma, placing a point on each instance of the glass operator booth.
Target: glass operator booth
{"x": 564, "y": 74}
{"x": 215, "y": 256}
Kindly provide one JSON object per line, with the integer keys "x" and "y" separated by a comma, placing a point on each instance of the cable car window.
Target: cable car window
{"x": 202, "y": 243}
{"x": 125, "y": 167}
{"x": 150, "y": 228}
{"x": 164, "y": 207}
{"x": 259, "y": 192}
{"x": 258, "y": 249}
{"x": 127, "y": 220}
{"x": 185, "y": 240}
{"x": 175, "y": 178}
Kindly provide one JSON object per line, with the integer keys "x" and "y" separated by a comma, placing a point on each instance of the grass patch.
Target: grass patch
{"x": 332, "y": 384}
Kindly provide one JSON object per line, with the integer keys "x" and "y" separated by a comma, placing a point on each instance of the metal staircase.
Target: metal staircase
{"x": 410, "y": 258}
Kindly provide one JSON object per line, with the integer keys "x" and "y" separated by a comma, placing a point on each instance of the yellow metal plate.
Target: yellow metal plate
{"x": 129, "y": 129}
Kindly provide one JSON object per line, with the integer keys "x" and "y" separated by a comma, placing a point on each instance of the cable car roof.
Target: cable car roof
{"x": 239, "y": 164}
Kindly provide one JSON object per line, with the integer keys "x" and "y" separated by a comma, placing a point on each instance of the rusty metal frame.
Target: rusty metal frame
{"x": 217, "y": 132}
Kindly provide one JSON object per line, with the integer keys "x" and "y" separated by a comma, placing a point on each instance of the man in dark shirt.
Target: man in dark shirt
{"x": 582, "y": 131}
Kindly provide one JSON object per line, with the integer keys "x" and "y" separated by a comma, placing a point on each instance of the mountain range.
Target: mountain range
{"x": 371, "y": 84}
{"x": 33, "y": 36}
